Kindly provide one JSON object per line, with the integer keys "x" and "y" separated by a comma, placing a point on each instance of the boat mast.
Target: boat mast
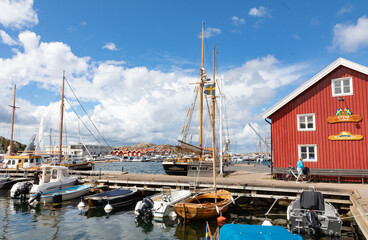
{"x": 201, "y": 85}
{"x": 61, "y": 119}
{"x": 12, "y": 123}
{"x": 213, "y": 129}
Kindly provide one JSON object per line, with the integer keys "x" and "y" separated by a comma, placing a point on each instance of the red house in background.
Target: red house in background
{"x": 324, "y": 120}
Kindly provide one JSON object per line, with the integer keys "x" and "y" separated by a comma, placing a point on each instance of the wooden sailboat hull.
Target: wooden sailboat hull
{"x": 203, "y": 206}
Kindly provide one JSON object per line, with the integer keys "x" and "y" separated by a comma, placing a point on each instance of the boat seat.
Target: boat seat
{"x": 312, "y": 200}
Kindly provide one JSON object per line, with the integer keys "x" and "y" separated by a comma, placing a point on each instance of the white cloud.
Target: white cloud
{"x": 210, "y": 32}
{"x": 351, "y": 37}
{"x": 259, "y": 12}
{"x": 237, "y": 21}
{"x": 17, "y": 13}
{"x": 110, "y": 46}
{"x": 344, "y": 10}
{"x": 5, "y": 38}
{"x": 131, "y": 105}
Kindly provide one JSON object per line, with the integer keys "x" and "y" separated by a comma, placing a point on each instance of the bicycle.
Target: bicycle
{"x": 290, "y": 175}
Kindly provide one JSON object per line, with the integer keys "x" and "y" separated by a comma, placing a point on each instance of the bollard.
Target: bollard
{"x": 122, "y": 169}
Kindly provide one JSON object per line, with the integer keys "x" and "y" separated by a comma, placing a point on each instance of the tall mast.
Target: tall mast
{"x": 61, "y": 119}
{"x": 213, "y": 128}
{"x": 12, "y": 123}
{"x": 203, "y": 78}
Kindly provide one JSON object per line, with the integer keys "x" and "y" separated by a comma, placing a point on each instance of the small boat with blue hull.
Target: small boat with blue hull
{"x": 61, "y": 195}
{"x": 256, "y": 232}
{"x": 116, "y": 198}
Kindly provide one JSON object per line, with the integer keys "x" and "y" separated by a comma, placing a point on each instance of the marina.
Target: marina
{"x": 251, "y": 186}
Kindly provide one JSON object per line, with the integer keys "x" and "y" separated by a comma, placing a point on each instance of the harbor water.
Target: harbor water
{"x": 65, "y": 221}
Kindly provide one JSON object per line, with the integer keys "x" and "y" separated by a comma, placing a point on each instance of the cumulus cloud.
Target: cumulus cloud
{"x": 17, "y": 13}
{"x": 237, "y": 21}
{"x": 5, "y": 38}
{"x": 259, "y": 12}
{"x": 131, "y": 104}
{"x": 111, "y": 46}
{"x": 351, "y": 37}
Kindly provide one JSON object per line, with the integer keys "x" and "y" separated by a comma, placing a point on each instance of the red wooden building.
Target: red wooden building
{"x": 324, "y": 120}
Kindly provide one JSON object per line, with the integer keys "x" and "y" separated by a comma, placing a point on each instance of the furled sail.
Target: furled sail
{"x": 194, "y": 149}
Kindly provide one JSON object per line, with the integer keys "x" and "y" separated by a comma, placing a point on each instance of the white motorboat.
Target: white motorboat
{"x": 313, "y": 215}
{"x": 61, "y": 195}
{"x": 53, "y": 178}
{"x": 160, "y": 205}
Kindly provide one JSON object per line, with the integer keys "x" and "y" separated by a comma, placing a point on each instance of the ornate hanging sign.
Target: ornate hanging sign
{"x": 344, "y": 116}
{"x": 345, "y": 136}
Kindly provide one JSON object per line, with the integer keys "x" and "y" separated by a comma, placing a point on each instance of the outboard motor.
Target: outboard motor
{"x": 146, "y": 207}
{"x": 37, "y": 197}
{"x": 20, "y": 190}
{"x": 314, "y": 225}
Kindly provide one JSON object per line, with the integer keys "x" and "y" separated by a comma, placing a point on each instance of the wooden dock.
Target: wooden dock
{"x": 248, "y": 181}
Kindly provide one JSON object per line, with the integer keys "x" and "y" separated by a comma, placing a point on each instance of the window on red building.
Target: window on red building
{"x": 342, "y": 86}
{"x": 308, "y": 152}
{"x": 306, "y": 122}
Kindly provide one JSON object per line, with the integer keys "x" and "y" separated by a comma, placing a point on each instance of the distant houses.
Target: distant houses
{"x": 133, "y": 152}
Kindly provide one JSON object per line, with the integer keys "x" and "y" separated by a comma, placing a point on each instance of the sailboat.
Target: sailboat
{"x": 181, "y": 165}
{"x": 24, "y": 160}
{"x": 212, "y": 203}
{"x": 71, "y": 164}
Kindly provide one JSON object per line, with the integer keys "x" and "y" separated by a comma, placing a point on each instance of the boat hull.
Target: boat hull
{"x": 116, "y": 198}
{"x": 206, "y": 208}
{"x": 66, "y": 194}
{"x": 328, "y": 217}
{"x": 175, "y": 168}
{"x": 164, "y": 202}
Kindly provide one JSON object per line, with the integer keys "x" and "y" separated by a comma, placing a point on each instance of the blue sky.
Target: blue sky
{"x": 131, "y": 62}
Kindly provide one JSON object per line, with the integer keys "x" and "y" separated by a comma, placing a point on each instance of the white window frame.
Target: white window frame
{"x": 306, "y": 115}
{"x": 333, "y": 81}
{"x": 308, "y": 145}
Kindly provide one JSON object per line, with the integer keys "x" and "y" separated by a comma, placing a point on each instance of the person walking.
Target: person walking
{"x": 299, "y": 167}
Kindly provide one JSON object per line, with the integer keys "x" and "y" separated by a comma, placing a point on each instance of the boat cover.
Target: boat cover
{"x": 312, "y": 200}
{"x": 256, "y": 232}
{"x": 113, "y": 193}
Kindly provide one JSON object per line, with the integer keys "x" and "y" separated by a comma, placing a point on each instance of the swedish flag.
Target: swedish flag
{"x": 347, "y": 111}
{"x": 210, "y": 89}
{"x": 208, "y": 233}
{"x": 338, "y": 112}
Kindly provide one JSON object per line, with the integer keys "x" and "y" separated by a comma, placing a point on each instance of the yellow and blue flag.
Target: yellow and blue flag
{"x": 210, "y": 89}
{"x": 338, "y": 112}
{"x": 347, "y": 111}
{"x": 208, "y": 233}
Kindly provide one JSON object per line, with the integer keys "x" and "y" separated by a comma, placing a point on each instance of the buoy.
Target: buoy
{"x": 108, "y": 208}
{"x": 221, "y": 220}
{"x": 266, "y": 223}
{"x": 81, "y": 205}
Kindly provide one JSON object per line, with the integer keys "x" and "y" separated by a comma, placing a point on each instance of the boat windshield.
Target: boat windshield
{"x": 64, "y": 172}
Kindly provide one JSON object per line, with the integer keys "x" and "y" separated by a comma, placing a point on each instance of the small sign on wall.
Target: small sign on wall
{"x": 345, "y": 136}
{"x": 344, "y": 116}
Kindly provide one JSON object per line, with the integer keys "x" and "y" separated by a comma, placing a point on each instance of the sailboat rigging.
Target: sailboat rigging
{"x": 181, "y": 165}
{"x": 215, "y": 202}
